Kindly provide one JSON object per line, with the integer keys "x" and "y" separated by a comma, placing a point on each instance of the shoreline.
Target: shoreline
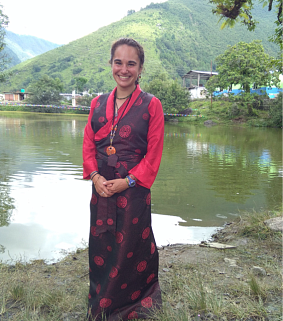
{"x": 197, "y": 282}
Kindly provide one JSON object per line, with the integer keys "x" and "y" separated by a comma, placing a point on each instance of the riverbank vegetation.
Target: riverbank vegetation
{"x": 241, "y": 110}
{"x": 198, "y": 283}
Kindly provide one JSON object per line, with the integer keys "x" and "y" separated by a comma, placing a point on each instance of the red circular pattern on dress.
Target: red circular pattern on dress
{"x": 109, "y": 248}
{"x": 145, "y": 233}
{"x": 98, "y": 260}
{"x": 121, "y": 201}
{"x": 135, "y": 295}
{"x": 135, "y": 220}
{"x": 90, "y": 270}
{"x": 138, "y": 151}
{"x": 145, "y": 116}
{"x": 119, "y": 237}
{"x": 125, "y": 131}
{"x": 117, "y": 165}
{"x": 99, "y": 222}
{"x": 93, "y": 199}
{"x": 114, "y": 272}
{"x": 147, "y": 302}
{"x": 101, "y": 119}
{"x": 89, "y": 296}
{"x": 150, "y": 278}
{"x": 98, "y": 288}
{"x": 130, "y": 254}
{"x": 142, "y": 266}
{"x": 133, "y": 315}
{"x": 123, "y": 286}
{"x": 138, "y": 102}
{"x": 148, "y": 199}
{"x": 152, "y": 248}
{"x": 97, "y": 104}
{"x": 105, "y": 303}
{"x": 110, "y": 221}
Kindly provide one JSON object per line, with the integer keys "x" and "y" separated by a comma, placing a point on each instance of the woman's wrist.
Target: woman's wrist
{"x": 92, "y": 174}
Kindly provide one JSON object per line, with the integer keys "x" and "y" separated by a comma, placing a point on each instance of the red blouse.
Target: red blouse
{"x": 147, "y": 169}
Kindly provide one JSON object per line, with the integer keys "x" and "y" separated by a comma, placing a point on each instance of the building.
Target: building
{"x": 16, "y": 96}
{"x": 197, "y": 90}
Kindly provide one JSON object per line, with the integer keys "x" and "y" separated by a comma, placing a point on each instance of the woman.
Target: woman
{"x": 122, "y": 149}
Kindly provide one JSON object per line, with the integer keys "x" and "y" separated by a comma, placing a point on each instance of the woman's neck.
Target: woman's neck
{"x": 120, "y": 93}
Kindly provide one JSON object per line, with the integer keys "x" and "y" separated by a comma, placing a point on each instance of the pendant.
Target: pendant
{"x": 110, "y": 150}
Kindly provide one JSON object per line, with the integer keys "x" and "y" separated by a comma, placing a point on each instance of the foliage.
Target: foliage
{"x": 177, "y": 36}
{"x": 3, "y": 59}
{"x": 245, "y": 64}
{"x": 45, "y": 91}
{"x": 275, "y": 112}
{"x": 173, "y": 96}
{"x": 80, "y": 82}
{"x": 129, "y": 12}
{"x": 241, "y": 10}
{"x": 85, "y": 100}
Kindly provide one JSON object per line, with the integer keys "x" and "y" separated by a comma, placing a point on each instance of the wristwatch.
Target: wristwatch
{"x": 131, "y": 182}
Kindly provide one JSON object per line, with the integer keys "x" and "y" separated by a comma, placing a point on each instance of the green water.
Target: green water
{"x": 207, "y": 175}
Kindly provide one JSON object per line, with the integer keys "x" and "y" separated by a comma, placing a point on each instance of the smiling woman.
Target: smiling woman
{"x": 122, "y": 150}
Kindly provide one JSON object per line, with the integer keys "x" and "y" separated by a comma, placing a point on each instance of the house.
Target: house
{"x": 197, "y": 90}
{"x": 16, "y": 96}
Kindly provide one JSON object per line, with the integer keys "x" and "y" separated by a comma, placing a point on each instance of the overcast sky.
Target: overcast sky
{"x": 62, "y": 21}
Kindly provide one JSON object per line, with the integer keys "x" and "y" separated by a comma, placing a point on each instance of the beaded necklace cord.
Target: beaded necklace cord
{"x": 111, "y": 149}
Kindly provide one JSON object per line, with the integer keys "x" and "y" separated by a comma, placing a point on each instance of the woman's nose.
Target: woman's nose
{"x": 124, "y": 68}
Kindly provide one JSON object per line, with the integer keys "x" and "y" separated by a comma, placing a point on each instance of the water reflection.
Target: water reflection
{"x": 206, "y": 176}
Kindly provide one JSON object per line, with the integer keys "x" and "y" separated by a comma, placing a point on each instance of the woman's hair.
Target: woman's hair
{"x": 129, "y": 42}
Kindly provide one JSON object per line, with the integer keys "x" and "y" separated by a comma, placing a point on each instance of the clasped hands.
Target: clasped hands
{"x": 107, "y": 188}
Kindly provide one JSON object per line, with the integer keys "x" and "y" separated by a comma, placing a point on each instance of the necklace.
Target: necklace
{"x": 110, "y": 150}
{"x": 128, "y": 95}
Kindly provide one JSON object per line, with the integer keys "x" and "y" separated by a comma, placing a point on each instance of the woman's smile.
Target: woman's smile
{"x": 126, "y": 68}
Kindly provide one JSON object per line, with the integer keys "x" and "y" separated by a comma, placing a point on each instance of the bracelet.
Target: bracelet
{"x": 96, "y": 180}
{"x": 127, "y": 180}
{"x": 93, "y": 174}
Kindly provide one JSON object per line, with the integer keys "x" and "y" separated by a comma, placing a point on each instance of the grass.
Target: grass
{"x": 198, "y": 283}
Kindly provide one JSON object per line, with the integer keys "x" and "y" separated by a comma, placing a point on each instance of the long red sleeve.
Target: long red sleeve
{"x": 147, "y": 169}
{"x": 89, "y": 147}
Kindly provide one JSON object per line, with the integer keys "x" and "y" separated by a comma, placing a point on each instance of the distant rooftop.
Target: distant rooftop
{"x": 196, "y": 74}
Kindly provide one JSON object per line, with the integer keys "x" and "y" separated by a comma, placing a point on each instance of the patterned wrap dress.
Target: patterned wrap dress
{"x": 123, "y": 258}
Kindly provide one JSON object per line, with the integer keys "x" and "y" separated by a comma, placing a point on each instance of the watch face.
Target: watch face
{"x": 132, "y": 182}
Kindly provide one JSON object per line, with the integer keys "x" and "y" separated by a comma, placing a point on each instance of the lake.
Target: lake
{"x": 207, "y": 176}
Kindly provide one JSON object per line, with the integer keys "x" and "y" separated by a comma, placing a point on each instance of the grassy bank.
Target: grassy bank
{"x": 198, "y": 283}
{"x": 259, "y": 111}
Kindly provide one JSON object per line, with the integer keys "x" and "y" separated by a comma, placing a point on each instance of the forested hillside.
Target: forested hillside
{"x": 178, "y": 35}
{"x": 20, "y": 47}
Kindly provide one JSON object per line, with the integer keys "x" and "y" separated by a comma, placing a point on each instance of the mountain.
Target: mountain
{"x": 177, "y": 35}
{"x": 20, "y": 47}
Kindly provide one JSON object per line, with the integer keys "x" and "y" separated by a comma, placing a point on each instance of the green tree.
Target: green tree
{"x": 46, "y": 91}
{"x": 245, "y": 64}
{"x": 173, "y": 96}
{"x": 232, "y": 11}
{"x": 80, "y": 82}
{"x": 4, "y": 21}
{"x": 85, "y": 100}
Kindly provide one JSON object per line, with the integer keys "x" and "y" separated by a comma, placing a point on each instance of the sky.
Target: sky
{"x": 62, "y": 21}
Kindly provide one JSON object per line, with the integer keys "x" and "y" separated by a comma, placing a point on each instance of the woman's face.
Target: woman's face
{"x": 126, "y": 67}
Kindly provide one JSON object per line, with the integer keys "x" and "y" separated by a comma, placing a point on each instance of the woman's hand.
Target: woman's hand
{"x": 100, "y": 186}
{"x": 116, "y": 185}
